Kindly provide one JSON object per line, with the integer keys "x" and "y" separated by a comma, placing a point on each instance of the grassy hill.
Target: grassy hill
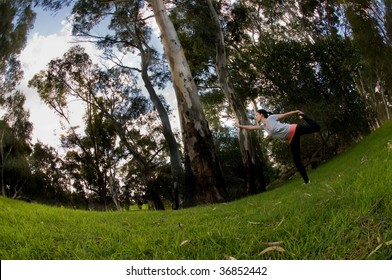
{"x": 345, "y": 213}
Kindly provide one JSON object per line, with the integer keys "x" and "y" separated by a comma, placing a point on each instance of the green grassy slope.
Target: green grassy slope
{"x": 345, "y": 213}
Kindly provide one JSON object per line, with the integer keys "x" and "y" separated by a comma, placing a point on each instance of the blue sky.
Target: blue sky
{"x": 48, "y": 22}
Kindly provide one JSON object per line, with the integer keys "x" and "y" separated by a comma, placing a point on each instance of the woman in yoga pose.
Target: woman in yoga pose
{"x": 286, "y": 132}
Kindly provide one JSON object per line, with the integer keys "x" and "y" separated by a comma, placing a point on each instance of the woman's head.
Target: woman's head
{"x": 263, "y": 112}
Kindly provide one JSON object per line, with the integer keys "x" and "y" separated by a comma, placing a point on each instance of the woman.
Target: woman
{"x": 286, "y": 132}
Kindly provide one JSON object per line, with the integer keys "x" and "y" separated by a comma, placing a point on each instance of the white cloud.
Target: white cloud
{"x": 34, "y": 58}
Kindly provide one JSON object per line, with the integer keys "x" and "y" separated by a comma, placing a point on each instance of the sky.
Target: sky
{"x": 50, "y": 38}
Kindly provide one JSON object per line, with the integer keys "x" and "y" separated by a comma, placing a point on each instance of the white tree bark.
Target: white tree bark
{"x": 255, "y": 181}
{"x": 204, "y": 177}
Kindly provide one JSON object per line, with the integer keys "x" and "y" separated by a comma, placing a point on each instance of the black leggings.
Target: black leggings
{"x": 295, "y": 144}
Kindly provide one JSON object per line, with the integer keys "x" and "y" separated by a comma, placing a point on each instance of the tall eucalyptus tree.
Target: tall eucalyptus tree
{"x": 204, "y": 177}
{"x": 255, "y": 181}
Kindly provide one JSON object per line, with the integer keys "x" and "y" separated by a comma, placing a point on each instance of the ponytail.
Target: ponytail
{"x": 264, "y": 113}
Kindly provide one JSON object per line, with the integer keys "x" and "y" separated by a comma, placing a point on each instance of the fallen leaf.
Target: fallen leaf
{"x": 230, "y": 258}
{"x": 184, "y": 242}
{"x": 279, "y": 223}
{"x": 272, "y": 243}
{"x": 375, "y": 250}
{"x": 253, "y": 223}
{"x": 273, "y": 248}
{"x": 388, "y": 242}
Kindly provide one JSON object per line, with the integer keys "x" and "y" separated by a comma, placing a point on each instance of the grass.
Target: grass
{"x": 345, "y": 213}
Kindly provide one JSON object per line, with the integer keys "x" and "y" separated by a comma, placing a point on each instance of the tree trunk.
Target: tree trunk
{"x": 154, "y": 198}
{"x": 3, "y": 159}
{"x": 204, "y": 176}
{"x": 255, "y": 181}
{"x": 174, "y": 150}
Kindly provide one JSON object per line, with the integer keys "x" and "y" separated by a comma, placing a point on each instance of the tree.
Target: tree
{"x": 157, "y": 191}
{"x": 96, "y": 157}
{"x": 49, "y": 182}
{"x": 17, "y": 18}
{"x": 205, "y": 182}
{"x": 14, "y": 167}
{"x": 370, "y": 21}
{"x": 114, "y": 96}
{"x": 255, "y": 181}
{"x": 17, "y": 117}
{"x": 132, "y": 33}
{"x": 202, "y": 32}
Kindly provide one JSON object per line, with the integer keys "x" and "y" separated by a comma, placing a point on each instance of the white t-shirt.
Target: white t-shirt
{"x": 276, "y": 129}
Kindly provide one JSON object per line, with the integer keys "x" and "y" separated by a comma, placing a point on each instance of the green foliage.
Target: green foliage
{"x": 196, "y": 32}
{"x": 351, "y": 193}
{"x": 48, "y": 177}
{"x": 17, "y": 18}
{"x": 14, "y": 167}
{"x": 371, "y": 30}
{"x": 17, "y": 117}
{"x": 227, "y": 143}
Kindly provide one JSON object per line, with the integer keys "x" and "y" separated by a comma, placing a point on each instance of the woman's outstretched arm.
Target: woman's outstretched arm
{"x": 285, "y": 115}
{"x": 249, "y": 127}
